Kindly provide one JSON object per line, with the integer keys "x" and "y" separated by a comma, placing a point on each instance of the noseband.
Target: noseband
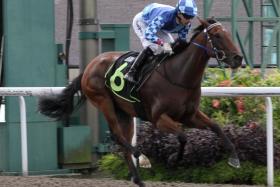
{"x": 219, "y": 54}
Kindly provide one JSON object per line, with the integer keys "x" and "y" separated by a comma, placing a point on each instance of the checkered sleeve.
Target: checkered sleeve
{"x": 184, "y": 32}
{"x": 156, "y": 24}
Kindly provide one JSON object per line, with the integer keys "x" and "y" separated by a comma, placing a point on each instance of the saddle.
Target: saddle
{"x": 114, "y": 77}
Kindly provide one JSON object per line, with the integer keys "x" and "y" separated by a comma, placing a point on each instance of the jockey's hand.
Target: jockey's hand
{"x": 167, "y": 49}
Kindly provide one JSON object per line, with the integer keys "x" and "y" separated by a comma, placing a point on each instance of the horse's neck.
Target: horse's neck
{"x": 189, "y": 66}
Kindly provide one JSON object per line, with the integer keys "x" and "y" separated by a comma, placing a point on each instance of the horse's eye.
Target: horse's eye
{"x": 218, "y": 36}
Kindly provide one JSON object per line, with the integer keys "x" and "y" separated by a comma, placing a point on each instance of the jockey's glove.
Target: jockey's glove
{"x": 159, "y": 42}
{"x": 167, "y": 49}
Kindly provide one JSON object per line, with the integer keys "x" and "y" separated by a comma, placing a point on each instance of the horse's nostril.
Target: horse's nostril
{"x": 236, "y": 61}
{"x": 238, "y": 58}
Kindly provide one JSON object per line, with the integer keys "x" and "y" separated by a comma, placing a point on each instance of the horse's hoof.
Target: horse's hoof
{"x": 137, "y": 181}
{"x": 172, "y": 160}
{"x": 234, "y": 162}
{"x": 137, "y": 153}
{"x": 144, "y": 162}
{"x": 141, "y": 184}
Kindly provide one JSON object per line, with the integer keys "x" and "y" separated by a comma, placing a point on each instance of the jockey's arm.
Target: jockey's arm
{"x": 152, "y": 29}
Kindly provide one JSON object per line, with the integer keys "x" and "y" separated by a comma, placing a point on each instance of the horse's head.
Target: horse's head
{"x": 220, "y": 44}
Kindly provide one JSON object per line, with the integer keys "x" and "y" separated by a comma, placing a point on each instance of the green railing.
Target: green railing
{"x": 269, "y": 12}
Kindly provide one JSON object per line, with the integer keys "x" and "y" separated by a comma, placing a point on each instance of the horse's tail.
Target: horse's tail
{"x": 61, "y": 106}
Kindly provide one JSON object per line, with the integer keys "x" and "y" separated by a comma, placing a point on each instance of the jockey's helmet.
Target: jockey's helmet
{"x": 187, "y": 7}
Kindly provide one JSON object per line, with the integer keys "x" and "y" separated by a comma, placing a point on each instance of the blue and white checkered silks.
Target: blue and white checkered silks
{"x": 153, "y": 28}
{"x": 183, "y": 33}
{"x": 140, "y": 28}
{"x": 187, "y": 7}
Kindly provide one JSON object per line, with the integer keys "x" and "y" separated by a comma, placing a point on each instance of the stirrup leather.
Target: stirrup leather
{"x": 129, "y": 76}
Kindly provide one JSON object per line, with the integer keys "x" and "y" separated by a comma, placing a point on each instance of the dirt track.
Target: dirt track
{"x": 76, "y": 181}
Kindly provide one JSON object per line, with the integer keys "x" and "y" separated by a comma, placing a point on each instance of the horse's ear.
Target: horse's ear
{"x": 203, "y": 22}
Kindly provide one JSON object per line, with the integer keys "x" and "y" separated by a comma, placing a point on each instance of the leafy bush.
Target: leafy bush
{"x": 241, "y": 110}
{"x": 114, "y": 165}
{"x": 220, "y": 173}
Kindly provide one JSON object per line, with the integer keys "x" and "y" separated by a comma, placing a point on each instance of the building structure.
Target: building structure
{"x": 257, "y": 23}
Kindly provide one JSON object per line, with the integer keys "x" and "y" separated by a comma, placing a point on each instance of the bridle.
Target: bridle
{"x": 213, "y": 49}
{"x": 220, "y": 55}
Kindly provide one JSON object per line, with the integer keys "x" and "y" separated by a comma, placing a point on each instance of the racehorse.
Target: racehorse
{"x": 170, "y": 97}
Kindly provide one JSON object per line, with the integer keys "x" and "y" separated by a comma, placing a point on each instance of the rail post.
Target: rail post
{"x": 269, "y": 140}
{"x": 23, "y": 133}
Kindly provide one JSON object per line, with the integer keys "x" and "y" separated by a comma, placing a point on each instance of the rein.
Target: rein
{"x": 213, "y": 49}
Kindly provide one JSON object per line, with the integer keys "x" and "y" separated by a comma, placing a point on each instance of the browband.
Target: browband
{"x": 213, "y": 25}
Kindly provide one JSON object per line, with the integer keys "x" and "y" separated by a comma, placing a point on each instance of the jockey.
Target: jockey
{"x": 154, "y": 26}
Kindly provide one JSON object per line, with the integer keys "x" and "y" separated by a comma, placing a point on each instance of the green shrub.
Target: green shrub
{"x": 241, "y": 110}
{"x": 220, "y": 173}
{"x": 114, "y": 165}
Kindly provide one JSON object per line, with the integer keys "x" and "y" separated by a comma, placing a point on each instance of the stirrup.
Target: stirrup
{"x": 129, "y": 78}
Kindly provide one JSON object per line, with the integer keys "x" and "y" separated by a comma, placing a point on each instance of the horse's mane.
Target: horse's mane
{"x": 181, "y": 45}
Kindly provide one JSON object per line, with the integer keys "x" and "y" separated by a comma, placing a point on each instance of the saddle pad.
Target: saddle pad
{"x": 114, "y": 77}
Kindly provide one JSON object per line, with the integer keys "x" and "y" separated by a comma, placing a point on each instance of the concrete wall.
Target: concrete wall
{"x": 123, "y": 11}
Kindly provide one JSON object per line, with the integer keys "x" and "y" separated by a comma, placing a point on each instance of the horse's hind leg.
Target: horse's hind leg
{"x": 122, "y": 131}
{"x": 200, "y": 120}
{"x": 127, "y": 127}
{"x": 107, "y": 107}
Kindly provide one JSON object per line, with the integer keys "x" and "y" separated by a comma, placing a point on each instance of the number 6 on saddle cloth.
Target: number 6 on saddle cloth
{"x": 119, "y": 85}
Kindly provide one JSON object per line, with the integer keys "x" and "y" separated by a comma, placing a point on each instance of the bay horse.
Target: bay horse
{"x": 170, "y": 97}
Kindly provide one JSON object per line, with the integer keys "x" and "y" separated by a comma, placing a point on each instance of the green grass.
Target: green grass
{"x": 220, "y": 173}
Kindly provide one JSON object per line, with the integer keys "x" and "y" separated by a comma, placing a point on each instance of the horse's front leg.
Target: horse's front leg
{"x": 200, "y": 120}
{"x": 167, "y": 124}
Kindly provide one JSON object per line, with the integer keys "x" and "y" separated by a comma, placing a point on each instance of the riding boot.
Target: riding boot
{"x": 130, "y": 75}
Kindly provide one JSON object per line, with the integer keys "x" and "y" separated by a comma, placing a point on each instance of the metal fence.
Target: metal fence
{"x": 266, "y": 92}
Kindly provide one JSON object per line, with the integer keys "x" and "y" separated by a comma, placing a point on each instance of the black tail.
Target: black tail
{"x": 61, "y": 106}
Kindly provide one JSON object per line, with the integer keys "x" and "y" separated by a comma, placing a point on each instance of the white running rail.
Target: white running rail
{"x": 266, "y": 92}
{"x": 21, "y": 92}
{"x": 254, "y": 91}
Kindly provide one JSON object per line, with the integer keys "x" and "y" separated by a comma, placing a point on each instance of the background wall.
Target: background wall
{"x": 123, "y": 11}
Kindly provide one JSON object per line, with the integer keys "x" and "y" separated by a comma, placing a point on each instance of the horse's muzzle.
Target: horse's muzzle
{"x": 235, "y": 61}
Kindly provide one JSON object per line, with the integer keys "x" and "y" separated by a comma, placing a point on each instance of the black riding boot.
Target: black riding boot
{"x": 130, "y": 75}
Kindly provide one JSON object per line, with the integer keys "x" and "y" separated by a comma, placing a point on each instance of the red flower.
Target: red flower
{"x": 252, "y": 124}
{"x": 255, "y": 72}
{"x": 216, "y": 103}
{"x": 239, "y": 105}
{"x": 225, "y": 83}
